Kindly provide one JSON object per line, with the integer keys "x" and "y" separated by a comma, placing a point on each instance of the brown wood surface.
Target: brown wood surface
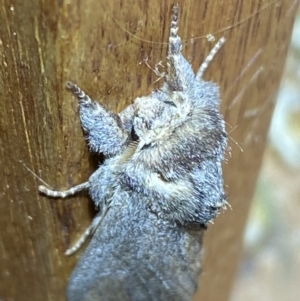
{"x": 102, "y": 45}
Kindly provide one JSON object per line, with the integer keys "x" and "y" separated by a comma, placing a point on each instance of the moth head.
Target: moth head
{"x": 156, "y": 119}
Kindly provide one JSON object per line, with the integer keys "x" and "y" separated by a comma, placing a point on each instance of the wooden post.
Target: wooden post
{"x": 102, "y": 45}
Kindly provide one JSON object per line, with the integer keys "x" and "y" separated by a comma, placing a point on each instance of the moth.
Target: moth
{"x": 158, "y": 188}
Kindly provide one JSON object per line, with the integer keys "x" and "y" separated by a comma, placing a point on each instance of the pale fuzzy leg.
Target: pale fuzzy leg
{"x": 84, "y": 98}
{"x": 103, "y": 127}
{"x": 180, "y": 74}
{"x": 89, "y": 231}
{"x": 175, "y": 71}
{"x": 65, "y": 193}
{"x": 175, "y": 44}
{"x": 209, "y": 58}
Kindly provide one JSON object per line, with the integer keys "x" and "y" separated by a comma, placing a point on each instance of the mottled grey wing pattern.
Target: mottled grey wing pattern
{"x": 141, "y": 258}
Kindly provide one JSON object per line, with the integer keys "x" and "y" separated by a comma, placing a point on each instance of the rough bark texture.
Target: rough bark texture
{"x": 102, "y": 45}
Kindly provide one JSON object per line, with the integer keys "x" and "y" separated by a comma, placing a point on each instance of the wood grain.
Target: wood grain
{"x": 102, "y": 45}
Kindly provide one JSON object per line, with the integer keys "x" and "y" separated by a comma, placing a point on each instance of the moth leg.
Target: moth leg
{"x": 127, "y": 117}
{"x": 105, "y": 131}
{"x": 180, "y": 74}
{"x": 209, "y": 58}
{"x": 65, "y": 193}
{"x": 89, "y": 231}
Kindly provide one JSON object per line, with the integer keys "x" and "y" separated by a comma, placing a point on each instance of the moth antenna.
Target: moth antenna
{"x": 209, "y": 58}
